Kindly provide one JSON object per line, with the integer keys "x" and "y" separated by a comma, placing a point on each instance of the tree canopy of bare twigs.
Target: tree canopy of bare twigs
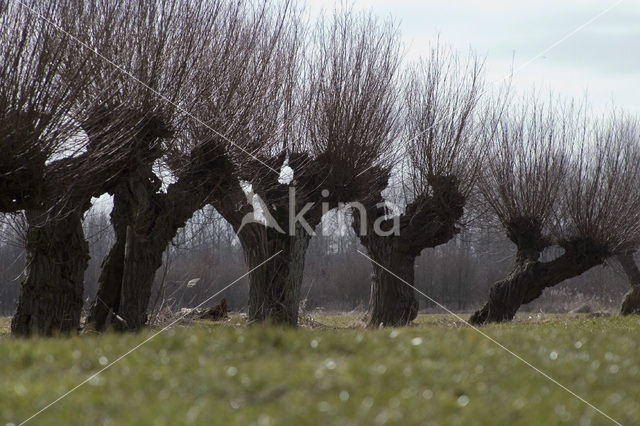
{"x": 601, "y": 201}
{"x": 442, "y": 118}
{"x": 528, "y": 157}
{"x": 40, "y": 82}
{"x": 350, "y": 101}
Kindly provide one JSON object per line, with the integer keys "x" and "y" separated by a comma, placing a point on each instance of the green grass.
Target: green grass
{"x": 436, "y": 372}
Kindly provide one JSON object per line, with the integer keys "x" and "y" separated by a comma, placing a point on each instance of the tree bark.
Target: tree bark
{"x": 105, "y": 307}
{"x": 506, "y": 296}
{"x": 128, "y": 271}
{"x": 126, "y": 282}
{"x": 430, "y": 220}
{"x": 274, "y": 288}
{"x": 530, "y": 277}
{"x": 51, "y": 295}
{"x": 142, "y": 258}
{"x": 145, "y": 222}
{"x": 393, "y": 302}
{"x": 631, "y": 302}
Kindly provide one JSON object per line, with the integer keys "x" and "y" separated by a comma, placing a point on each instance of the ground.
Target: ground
{"x": 438, "y": 372}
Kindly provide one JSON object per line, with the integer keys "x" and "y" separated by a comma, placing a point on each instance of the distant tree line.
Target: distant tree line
{"x": 178, "y": 108}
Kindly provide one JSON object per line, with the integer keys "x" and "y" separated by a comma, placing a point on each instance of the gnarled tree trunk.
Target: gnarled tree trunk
{"x": 505, "y": 298}
{"x": 530, "y": 277}
{"x": 430, "y": 220}
{"x": 631, "y": 302}
{"x": 126, "y": 282}
{"x": 145, "y": 222}
{"x": 274, "y": 288}
{"x": 129, "y": 269}
{"x": 57, "y": 256}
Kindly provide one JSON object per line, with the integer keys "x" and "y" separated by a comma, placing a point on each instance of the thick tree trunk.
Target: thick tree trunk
{"x": 428, "y": 221}
{"x": 393, "y": 302}
{"x": 143, "y": 231}
{"x": 126, "y": 282}
{"x": 128, "y": 271}
{"x": 274, "y": 288}
{"x": 530, "y": 277}
{"x": 506, "y": 296}
{"x": 631, "y": 302}
{"x": 143, "y": 257}
{"x": 104, "y": 311}
{"x": 51, "y": 295}
{"x": 145, "y": 221}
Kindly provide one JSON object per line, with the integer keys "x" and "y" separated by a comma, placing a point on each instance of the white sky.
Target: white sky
{"x": 602, "y": 59}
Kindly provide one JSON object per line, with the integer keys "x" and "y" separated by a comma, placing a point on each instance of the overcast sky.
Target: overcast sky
{"x": 602, "y": 58}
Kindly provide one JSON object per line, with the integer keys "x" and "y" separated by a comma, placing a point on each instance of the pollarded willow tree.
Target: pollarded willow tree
{"x": 172, "y": 40}
{"x": 440, "y": 130}
{"x": 630, "y": 132}
{"x": 43, "y": 150}
{"x": 554, "y": 179}
{"x": 339, "y": 119}
{"x": 116, "y": 127}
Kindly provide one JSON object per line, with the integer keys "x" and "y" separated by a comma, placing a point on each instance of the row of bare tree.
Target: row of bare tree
{"x": 206, "y": 255}
{"x": 171, "y": 105}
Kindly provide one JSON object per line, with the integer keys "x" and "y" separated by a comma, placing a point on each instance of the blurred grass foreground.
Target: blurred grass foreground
{"x": 332, "y": 371}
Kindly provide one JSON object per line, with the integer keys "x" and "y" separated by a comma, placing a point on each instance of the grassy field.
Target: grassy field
{"x": 437, "y": 372}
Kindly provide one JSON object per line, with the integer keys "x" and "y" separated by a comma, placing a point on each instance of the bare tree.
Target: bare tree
{"x": 556, "y": 179}
{"x": 627, "y": 131}
{"x": 169, "y": 38}
{"x": 41, "y": 84}
{"x": 442, "y": 154}
{"x": 337, "y": 115}
{"x": 117, "y": 126}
